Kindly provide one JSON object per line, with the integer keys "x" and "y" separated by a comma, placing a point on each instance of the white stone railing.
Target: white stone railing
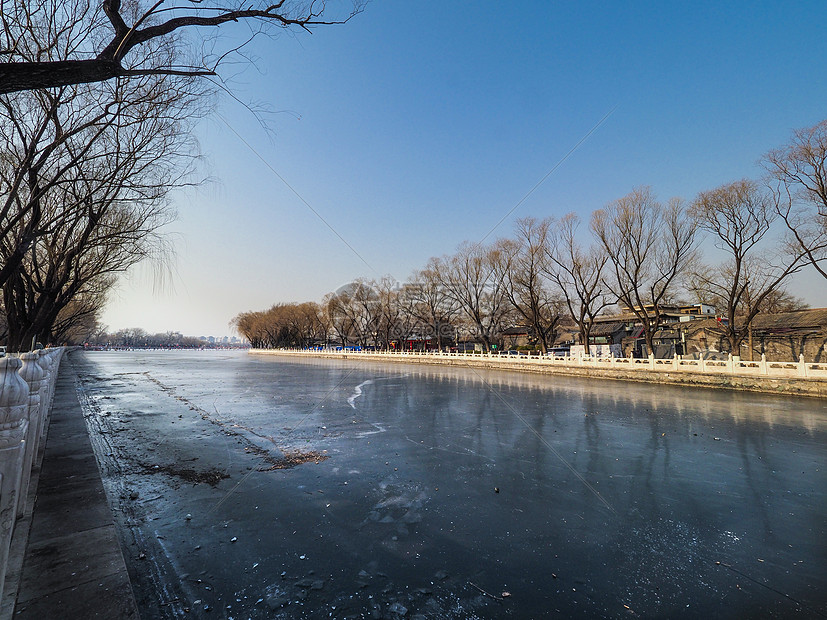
{"x": 27, "y": 385}
{"x": 732, "y": 366}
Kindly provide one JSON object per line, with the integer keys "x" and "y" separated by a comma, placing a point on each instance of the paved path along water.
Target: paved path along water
{"x": 73, "y": 566}
{"x": 270, "y": 488}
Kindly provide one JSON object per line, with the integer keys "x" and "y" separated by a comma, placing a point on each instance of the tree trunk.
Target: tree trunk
{"x": 486, "y": 341}
{"x": 649, "y": 337}
{"x": 735, "y": 341}
{"x": 17, "y": 76}
{"x": 585, "y": 335}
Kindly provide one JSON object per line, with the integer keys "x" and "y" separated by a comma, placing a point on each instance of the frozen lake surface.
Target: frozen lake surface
{"x": 453, "y": 493}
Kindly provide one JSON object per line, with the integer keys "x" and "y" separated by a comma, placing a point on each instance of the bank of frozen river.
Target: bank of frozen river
{"x": 253, "y": 487}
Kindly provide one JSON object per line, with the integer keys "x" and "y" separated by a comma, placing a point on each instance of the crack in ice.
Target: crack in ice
{"x": 357, "y": 392}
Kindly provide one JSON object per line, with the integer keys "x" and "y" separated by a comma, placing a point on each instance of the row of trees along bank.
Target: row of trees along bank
{"x": 636, "y": 252}
{"x": 97, "y": 105}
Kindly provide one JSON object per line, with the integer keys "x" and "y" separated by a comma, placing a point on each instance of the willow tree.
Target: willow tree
{"x": 78, "y": 258}
{"x": 252, "y": 325}
{"x": 78, "y": 321}
{"x": 85, "y": 176}
{"x": 283, "y": 325}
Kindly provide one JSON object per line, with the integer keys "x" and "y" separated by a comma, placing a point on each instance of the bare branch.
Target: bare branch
{"x": 25, "y": 70}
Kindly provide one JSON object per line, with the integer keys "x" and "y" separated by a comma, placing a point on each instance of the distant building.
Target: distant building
{"x": 782, "y": 337}
{"x": 625, "y": 329}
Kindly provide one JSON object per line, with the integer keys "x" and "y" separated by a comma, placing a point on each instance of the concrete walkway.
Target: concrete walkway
{"x": 72, "y": 565}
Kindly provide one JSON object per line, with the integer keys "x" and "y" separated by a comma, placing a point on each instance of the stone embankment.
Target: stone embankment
{"x": 792, "y": 378}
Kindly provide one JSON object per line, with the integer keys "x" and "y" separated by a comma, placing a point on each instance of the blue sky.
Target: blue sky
{"x": 419, "y": 125}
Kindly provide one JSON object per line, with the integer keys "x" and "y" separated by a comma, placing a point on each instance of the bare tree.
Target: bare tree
{"x": 740, "y": 216}
{"x": 283, "y": 325}
{"x": 432, "y": 305}
{"x": 99, "y": 135}
{"x": 354, "y": 312}
{"x": 523, "y": 261}
{"x": 132, "y": 337}
{"x": 394, "y": 321}
{"x": 339, "y": 317}
{"x": 475, "y": 284}
{"x": 78, "y": 321}
{"x": 578, "y": 273}
{"x": 302, "y": 324}
{"x": 81, "y": 169}
{"x": 251, "y": 325}
{"x": 366, "y": 309}
{"x": 85, "y": 194}
{"x": 650, "y": 246}
{"x": 120, "y": 30}
{"x": 777, "y": 301}
{"x": 107, "y": 231}
{"x": 138, "y": 338}
{"x": 800, "y": 169}
{"x": 781, "y": 300}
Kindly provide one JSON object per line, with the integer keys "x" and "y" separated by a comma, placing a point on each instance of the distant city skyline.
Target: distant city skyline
{"x": 409, "y": 131}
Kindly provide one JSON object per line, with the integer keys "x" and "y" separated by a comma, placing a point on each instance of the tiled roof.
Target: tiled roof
{"x": 667, "y": 333}
{"x": 812, "y": 320}
{"x": 518, "y": 330}
{"x": 802, "y": 319}
{"x": 628, "y": 317}
{"x": 607, "y": 329}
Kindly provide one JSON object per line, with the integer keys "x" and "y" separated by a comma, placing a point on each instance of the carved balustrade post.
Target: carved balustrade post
{"x": 43, "y": 360}
{"x": 802, "y": 366}
{"x": 52, "y": 358}
{"x": 14, "y": 405}
{"x": 32, "y": 374}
